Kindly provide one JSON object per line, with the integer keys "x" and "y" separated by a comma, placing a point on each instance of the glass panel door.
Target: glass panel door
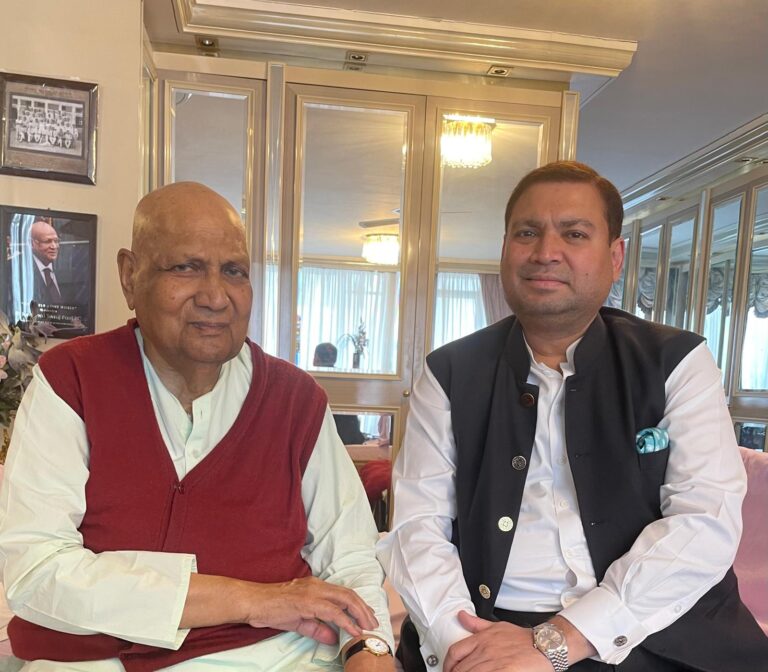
{"x": 481, "y": 154}
{"x": 721, "y": 272}
{"x": 210, "y": 133}
{"x": 646, "y": 277}
{"x": 616, "y": 295}
{"x": 681, "y": 240}
{"x": 350, "y": 235}
{"x": 351, "y": 210}
{"x": 754, "y": 353}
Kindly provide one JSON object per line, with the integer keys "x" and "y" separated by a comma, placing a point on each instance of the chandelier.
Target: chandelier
{"x": 381, "y": 248}
{"x": 466, "y": 141}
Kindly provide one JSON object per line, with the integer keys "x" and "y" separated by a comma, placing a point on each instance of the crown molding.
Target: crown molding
{"x": 286, "y": 26}
{"x": 710, "y": 163}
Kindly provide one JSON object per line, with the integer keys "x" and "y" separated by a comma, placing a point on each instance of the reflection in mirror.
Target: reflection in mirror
{"x": 751, "y": 435}
{"x": 348, "y": 289}
{"x": 209, "y": 141}
{"x": 368, "y": 439}
{"x": 468, "y": 292}
{"x": 679, "y": 272}
{"x": 646, "y": 276}
{"x": 722, "y": 266}
{"x": 616, "y": 295}
{"x": 754, "y": 353}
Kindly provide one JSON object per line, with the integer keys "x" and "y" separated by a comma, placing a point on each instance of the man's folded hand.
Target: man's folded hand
{"x": 308, "y": 606}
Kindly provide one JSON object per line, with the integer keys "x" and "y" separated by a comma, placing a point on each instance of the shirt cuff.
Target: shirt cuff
{"x": 189, "y": 567}
{"x": 445, "y": 631}
{"x": 607, "y": 623}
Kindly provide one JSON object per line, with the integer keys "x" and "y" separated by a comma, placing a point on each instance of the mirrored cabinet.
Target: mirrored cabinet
{"x": 375, "y": 210}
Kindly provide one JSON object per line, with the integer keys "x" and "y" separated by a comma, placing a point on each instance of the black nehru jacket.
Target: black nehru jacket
{"x": 621, "y": 364}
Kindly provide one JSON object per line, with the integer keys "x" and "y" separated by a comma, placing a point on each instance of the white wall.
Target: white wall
{"x": 95, "y": 41}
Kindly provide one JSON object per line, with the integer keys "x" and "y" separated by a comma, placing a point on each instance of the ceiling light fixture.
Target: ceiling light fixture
{"x": 382, "y": 249}
{"x": 466, "y": 141}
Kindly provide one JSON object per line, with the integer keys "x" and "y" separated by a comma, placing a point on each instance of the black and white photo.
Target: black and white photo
{"x": 48, "y": 128}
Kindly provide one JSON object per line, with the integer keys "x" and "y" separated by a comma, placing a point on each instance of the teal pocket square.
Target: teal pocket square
{"x": 652, "y": 440}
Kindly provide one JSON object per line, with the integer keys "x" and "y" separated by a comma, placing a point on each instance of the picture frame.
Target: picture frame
{"x": 48, "y": 128}
{"x": 61, "y": 300}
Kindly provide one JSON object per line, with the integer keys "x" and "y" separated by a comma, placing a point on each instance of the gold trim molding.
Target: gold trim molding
{"x": 278, "y": 27}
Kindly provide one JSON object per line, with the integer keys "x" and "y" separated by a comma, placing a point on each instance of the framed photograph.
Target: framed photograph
{"x": 48, "y": 269}
{"x": 48, "y": 128}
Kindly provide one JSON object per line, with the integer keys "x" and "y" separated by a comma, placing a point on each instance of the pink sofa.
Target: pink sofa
{"x": 751, "y": 565}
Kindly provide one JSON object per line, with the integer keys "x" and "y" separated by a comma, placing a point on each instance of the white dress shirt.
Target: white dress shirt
{"x": 41, "y": 270}
{"x": 139, "y": 596}
{"x": 673, "y": 562}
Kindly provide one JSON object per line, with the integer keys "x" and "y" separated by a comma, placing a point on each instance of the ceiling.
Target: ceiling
{"x": 700, "y": 72}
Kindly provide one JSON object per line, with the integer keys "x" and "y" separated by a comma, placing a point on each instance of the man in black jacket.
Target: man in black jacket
{"x": 569, "y": 491}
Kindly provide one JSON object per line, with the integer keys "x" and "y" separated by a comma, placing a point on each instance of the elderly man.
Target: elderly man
{"x": 568, "y": 495}
{"x": 174, "y": 497}
{"x": 44, "y": 241}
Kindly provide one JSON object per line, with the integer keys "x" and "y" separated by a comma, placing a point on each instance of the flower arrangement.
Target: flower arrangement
{"x": 359, "y": 342}
{"x": 18, "y": 355}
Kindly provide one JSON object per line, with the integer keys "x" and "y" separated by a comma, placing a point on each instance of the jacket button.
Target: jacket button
{"x": 506, "y": 523}
{"x": 519, "y": 462}
{"x": 527, "y": 399}
{"x": 485, "y": 591}
{"x": 621, "y": 640}
{"x": 432, "y": 660}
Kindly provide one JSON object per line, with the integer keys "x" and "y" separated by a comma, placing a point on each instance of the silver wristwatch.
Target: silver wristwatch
{"x": 550, "y": 640}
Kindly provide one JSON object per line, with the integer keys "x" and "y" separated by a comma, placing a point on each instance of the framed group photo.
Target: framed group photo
{"x": 48, "y": 269}
{"x": 48, "y": 128}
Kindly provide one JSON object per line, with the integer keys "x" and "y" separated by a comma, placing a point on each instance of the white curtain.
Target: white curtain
{"x": 754, "y": 356}
{"x": 459, "y": 307}
{"x": 333, "y": 302}
{"x": 494, "y": 301}
{"x": 268, "y": 337}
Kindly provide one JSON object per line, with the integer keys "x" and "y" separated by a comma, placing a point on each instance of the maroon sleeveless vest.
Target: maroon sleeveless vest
{"x": 239, "y": 510}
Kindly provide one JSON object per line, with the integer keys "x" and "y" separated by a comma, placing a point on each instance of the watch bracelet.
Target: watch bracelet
{"x": 559, "y": 660}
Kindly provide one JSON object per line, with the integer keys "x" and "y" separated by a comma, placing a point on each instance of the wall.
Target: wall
{"x": 95, "y": 41}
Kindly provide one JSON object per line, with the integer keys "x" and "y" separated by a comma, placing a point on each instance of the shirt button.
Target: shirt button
{"x": 527, "y": 399}
{"x": 519, "y": 462}
{"x": 568, "y": 599}
{"x": 485, "y": 591}
{"x": 506, "y": 523}
{"x": 561, "y": 460}
{"x": 621, "y": 640}
{"x": 562, "y": 504}
{"x": 569, "y": 553}
{"x": 432, "y": 660}
{"x": 678, "y": 608}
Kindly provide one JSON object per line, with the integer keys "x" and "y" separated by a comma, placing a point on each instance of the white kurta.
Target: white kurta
{"x": 139, "y": 596}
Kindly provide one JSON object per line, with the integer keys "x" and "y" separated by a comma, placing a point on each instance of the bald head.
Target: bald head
{"x": 45, "y": 241}
{"x": 167, "y": 210}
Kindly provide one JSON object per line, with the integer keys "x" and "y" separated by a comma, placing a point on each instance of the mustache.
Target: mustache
{"x": 543, "y": 276}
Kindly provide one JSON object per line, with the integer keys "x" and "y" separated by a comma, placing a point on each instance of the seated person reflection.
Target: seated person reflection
{"x": 176, "y": 498}
{"x": 348, "y": 426}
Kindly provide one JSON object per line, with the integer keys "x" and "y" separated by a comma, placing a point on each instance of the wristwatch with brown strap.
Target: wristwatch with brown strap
{"x": 373, "y": 645}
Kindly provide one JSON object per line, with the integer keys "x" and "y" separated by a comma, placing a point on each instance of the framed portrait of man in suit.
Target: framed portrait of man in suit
{"x": 48, "y": 269}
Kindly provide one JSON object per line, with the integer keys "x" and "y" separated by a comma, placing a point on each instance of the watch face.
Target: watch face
{"x": 548, "y": 638}
{"x": 376, "y": 646}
